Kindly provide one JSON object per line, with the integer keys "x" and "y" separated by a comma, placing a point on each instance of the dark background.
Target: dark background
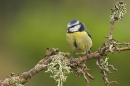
{"x": 28, "y": 27}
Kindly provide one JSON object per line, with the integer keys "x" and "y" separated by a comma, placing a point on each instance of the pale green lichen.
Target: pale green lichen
{"x": 118, "y": 11}
{"x": 59, "y": 69}
{"x": 17, "y": 84}
{"x": 104, "y": 64}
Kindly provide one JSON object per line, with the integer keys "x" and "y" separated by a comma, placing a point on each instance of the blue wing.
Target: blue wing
{"x": 88, "y": 33}
{"x": 83, "y": 28}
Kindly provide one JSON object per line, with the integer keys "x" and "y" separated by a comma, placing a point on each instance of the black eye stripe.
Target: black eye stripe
{"x": 74, "y": 25}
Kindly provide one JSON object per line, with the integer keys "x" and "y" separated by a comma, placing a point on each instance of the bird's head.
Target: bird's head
{"x": 75, "y": 26}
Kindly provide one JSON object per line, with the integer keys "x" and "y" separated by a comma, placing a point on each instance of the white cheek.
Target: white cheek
{"x": 76, "y": 28}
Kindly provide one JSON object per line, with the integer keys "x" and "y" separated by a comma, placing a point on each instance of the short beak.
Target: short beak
{"x": 67, "y": 29}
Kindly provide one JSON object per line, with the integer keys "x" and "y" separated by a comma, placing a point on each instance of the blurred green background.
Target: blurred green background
{"x": 28, "y": 27}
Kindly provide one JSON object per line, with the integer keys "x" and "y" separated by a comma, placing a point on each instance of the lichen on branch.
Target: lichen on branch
{"x": 58, "y": 67}
{"x": 118, "y": 11}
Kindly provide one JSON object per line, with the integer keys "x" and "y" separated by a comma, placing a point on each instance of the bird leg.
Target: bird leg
{"x": 88, "y": 54}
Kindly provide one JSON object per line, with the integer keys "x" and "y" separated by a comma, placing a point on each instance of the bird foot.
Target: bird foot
{"x": 88, "y": 54}
{"x": 71, "y": 59}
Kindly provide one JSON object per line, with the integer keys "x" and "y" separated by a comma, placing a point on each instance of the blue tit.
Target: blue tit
{"x": 78, "y": 37}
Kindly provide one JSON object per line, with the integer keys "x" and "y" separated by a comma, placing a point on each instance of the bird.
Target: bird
{"x": 78, "y": 38}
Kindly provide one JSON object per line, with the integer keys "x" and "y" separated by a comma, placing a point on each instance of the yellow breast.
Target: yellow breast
{"x": 79, "y": 42}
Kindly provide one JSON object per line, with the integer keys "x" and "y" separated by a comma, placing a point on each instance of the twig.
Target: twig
{"x": 111, "y": 29}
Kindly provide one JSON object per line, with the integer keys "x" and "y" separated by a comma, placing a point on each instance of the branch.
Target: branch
{"x": 78, "y": 63}
{"x": 26, "y": 76}
{"x": 42, "y": 65}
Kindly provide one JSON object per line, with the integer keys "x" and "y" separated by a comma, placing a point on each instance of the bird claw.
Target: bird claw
{"x": 88, "y": 54}
{"x": 71, "y": 59}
